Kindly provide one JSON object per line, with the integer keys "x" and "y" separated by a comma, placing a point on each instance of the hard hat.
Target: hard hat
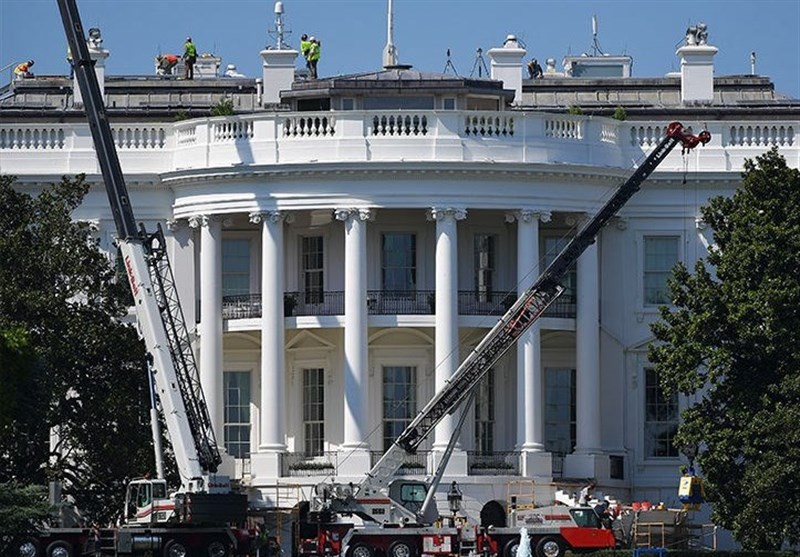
{"x": 312, "y": 39}
{"x": 188, "y": 38}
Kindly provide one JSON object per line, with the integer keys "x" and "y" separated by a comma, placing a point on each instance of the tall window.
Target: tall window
{"x": 660, "y": 418}
{"x": 660, "y": 256}
{"x": 484, "y": 415}
{"x": 399, "y": 401}
{"x": 552, "y": 247}
{"x": 559, "y": 410}
{"x": 484, "y": 264}
{"x": 237, "y": 413}
{"x": 235, "y": 267}
{"x": 314, "y": 410}
{"x": 313, "y": 269}
{"x": 399, "y": 261}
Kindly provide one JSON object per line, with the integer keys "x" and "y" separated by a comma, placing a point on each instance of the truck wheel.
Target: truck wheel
{"x": 175, "y": 548}
{"x": 59, "y": 548}
{"x": 28, "y": 547}
{"x": 511, "y": 548}
{"x": 217, "y": 548}
{"x": 361, "y": 550}
{"x": 550, "y": 546}
{"x": 401, "y": 549}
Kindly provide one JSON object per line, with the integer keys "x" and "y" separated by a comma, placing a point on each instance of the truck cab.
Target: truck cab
{"x": 147, "y": 502}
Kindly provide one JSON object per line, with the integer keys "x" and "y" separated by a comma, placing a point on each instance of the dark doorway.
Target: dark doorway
{"x": 493, "y": 514}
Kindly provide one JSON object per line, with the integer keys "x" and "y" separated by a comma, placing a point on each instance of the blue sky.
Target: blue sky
{"x": 353, "y": 32}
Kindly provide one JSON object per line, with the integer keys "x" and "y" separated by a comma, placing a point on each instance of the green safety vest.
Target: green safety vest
{"x": 313, "y": 54}
{"x": 305, "y": 47}
{"x": 189, "y": 50}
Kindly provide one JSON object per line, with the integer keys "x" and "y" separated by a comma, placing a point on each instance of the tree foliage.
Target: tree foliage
{"x": 22, "y": 509}
{"x": 79, "y": 369}
{"x": 731, "y": 341}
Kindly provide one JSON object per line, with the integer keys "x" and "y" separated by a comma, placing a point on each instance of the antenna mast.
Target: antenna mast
{"x": 279, "y": 32}
{"x": 595, "y": 43}
{"x": 389, "y": 51}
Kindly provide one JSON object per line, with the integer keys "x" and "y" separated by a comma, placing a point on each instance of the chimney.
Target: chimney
{"x": 507, "y": 65}
{"x": 278, "y": 63}
{"x": 99, "y": 55}
{"x": 697, "y": 66}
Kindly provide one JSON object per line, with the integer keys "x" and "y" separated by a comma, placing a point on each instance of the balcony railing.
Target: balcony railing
{"x": 413, "y": 465}
{"x": 388, "y": 302}
{"x": 503, "y": 463}
{"x": 301, "y": 464}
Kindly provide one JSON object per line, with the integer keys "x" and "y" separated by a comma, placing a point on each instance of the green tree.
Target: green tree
{"x": 731, "y": 340}
{"x": 22, "y": 509}
{"x": 89, "y": 377}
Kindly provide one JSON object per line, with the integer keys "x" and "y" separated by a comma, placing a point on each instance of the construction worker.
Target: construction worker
{"x": 189, "y": 58}
{"x": 166, "y": 63}
{"x": 305, "y": 48}
{"x": 313, "y": 56}
{"x": 23, "y": 70}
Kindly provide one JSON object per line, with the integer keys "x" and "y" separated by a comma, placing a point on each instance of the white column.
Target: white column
{"x": 530, "y": 379}
{"x": 210, "y": 328}
{"x": 446, "y": 335}
{"x": 588, "y": 353}
{"x": 273, "y": 390}
{"x": 356, "y": 363}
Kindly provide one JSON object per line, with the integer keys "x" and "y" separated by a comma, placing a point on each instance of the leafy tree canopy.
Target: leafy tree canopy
{"x": 22, "y": 508}
{"x": 731, "y": 341}
{"x": 76, "y": 365}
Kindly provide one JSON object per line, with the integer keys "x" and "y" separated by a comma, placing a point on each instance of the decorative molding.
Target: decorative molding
{"x": 362, "y": 214}
{"x": 272, "y": 217}
{"x": 173, "y": 224}
{"x": 620, "y": 223}
{"x": 199, "y": 221}
{"x": 699, "y": 223}
{"x": 441, "y": 213}
{"x": 576, "y": 219}
{"x": 528, "y": 216}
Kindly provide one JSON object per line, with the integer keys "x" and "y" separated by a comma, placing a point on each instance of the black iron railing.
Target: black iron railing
{"x": 497, "y": 463}
{"x": 414, "y": 464}
{"x": 301, "y": 464}
{"x": 389, "y": 302}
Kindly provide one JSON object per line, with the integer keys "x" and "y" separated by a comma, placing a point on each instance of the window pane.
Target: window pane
{"x": 313, "y": 273}
{"x": 399, "y": 401}
{"x": 559, "y": 411}
{"x": 660, "y": 256}
{"x": 484, "y": 415}
{"x": 314, "y": 411}
{"x": 552, "y": 247}
{"x": 484, "y": 264}
{"x": 660, "y": 418}
{"x": 236, "y": 428}
{"x": 399, "y": 261}
{"x": 235, "y": 267}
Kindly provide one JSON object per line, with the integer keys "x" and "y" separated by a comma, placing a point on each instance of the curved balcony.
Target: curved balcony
{"x": 283, "y": 139}
{"x": 386, "y": 302}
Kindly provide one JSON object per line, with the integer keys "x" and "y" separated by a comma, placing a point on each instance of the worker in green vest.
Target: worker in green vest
{"x": 189, "y": 58}
{"x": 313, "y": 56}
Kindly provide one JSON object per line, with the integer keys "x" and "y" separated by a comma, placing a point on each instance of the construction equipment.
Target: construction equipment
{"x": 384, "y": 503}
{"x": 200, "y": 517}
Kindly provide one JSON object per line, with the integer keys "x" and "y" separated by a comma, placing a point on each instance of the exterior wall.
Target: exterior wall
{"x": 489, "y": 164}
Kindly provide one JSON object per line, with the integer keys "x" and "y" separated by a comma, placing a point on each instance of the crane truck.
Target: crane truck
{"x": 395, "y": 515}
{"x": 200, "y": 518}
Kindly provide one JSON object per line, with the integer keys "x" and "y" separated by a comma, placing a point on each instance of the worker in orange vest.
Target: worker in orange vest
{"x": 23, "y": 70}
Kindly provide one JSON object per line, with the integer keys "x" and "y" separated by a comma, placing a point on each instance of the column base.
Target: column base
{"x": 456, "y": 466}
{"x": 265, "y": 466}
{"x": 536, "y": 464}
{"x": 582, "y": 465}
{"x": 353, "y": 461}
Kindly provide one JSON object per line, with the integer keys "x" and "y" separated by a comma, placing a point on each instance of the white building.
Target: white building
{"x": 341, "y": 243}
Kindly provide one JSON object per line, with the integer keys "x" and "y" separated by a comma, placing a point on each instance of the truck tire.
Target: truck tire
{"x": 217, "y": 548}
{"x": 175, "y": 548}
{"x": 361, "y": 550}
{"x": 59, "y": 548}
{"x": 551, "y": 546}
{"x": 401, "y": 548}
{"x": 28, "y": 547}
{"x": 510, "y": 550}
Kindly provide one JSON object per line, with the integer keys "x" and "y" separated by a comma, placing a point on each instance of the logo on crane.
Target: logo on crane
{"x": 131, "y": 275}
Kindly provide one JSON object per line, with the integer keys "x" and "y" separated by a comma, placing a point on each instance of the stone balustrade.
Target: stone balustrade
{"x": 383, "y": 136}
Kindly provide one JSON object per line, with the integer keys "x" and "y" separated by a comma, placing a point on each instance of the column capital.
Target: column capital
{"x": 200, "y": 221}
{"x": 441, "y": 213}
{"x": 576, "y": 219}
{"x": 700, "y": 223}
{"x": 362, "y": 214}
{"x": 271, "y": 216}
{"x": 620, "y": 223}
{"x": 529, "y": 215}
{"x": 173, "y": 224}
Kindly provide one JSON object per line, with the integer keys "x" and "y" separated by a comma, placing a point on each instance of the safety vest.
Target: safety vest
{"x": 305, "y": 47}
{"x": 313, "y": 53}
{"x": 22, "y": 68}
{"x": 189, "y": 50}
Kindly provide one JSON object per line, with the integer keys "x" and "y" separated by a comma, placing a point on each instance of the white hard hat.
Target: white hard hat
{"x": 312, "y": 39}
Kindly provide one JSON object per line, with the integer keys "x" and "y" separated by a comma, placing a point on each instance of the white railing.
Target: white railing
{"x": 385, "y": 136}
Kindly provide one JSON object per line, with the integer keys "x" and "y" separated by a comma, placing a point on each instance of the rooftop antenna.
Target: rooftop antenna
{"x": 280, "y": 31}
{"x": 596, "y": 50}
{"x": 449, "y": 64}
{"x": 389, "y": 51}
{"x": 480, "y": 64}
{"x": 753, "y": 63}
